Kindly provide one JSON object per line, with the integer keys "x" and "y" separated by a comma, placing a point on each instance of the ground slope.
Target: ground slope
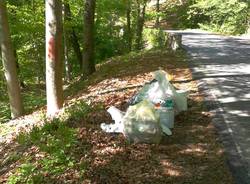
{"x": 73, "y": 149}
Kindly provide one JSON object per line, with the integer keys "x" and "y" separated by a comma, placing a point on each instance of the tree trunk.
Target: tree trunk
{"x": 72, "y": 35}
{"x": 157, "y": 21}
{"x": 9, "y": 64}
{"x": 54, "y": 50}
{"x": 66, "y": 33}
{"x": 22, "y": 84}
{"x": 68, "y": 68}
{"x": 89, "y": 45}
{"x": 76, "y": 47}
{"x": 129, "y": 34}
{"x": 141, "y": 8}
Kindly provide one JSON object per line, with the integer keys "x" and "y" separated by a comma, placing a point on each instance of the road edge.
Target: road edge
{"x": 234, "y": 160}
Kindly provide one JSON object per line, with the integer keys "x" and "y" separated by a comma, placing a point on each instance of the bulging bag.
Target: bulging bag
{"x": 142, "y": 123}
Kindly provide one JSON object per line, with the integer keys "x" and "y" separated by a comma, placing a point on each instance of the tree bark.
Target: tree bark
{"x": 157, "y": 21}
{"x": 22, "y": 84}
{"x": 76, "y": 47}
{"x": 54, "y": 67}
{"x": 66, "y": 13}
{"x": 68, "y": 68}
{"x": 72, "y": 35}
{"x": 9, "y": 64}
{"x": 88, "y": 61}
{"x": 141, "y": 8}
{"x": 129, "y": 34}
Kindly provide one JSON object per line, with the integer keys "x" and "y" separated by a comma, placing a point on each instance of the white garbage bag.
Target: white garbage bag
{"x": 179, "y": 96}
{"x": 141, "y": 123}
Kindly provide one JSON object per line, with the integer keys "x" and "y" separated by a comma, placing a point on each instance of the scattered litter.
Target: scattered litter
{"x": 142, "y": 123}
{"x": 151, "y": 111}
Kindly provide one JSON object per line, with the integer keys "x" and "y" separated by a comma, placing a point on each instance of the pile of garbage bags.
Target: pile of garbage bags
{"x": 150, "y": 113}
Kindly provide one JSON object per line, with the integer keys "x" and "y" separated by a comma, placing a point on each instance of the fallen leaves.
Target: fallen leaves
{"x": 191, "y": 155}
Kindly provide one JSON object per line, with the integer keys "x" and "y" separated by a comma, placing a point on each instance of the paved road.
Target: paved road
{"x": 223, "y": 66}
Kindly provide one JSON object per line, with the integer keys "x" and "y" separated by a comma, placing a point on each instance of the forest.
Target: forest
{"x": 52, "y": 51}
{"x": 119, "y": 27}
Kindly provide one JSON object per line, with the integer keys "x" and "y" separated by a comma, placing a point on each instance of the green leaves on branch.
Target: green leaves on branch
{"x": 225, "y": 16}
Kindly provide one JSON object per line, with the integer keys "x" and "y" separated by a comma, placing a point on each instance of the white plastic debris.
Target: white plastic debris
{"x": 142, "y": 122}
{"x": 117, "y": 116}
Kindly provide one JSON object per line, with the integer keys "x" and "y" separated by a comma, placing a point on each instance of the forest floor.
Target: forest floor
{"x": 73, "y": 149}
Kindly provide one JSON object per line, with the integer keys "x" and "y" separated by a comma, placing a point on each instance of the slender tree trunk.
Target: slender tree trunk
{"x": 72, "y": 35}
{"x": 76, "y": 47}
{"x": 129, "y": 34}
{"x": 66, "y": 58}
{"x": 9, "y": 64}
{"x": 89, "y": 45}
{"x": 54, "y": 51}
{"x": 157, "y": 21}
{"x": 66, "y": 33}
{"x": 141, "y": 8}
{"x": 18, "y": 69}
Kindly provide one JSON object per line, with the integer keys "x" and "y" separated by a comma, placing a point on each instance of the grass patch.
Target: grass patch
{"x": 50, "y": 149}
{"x": 73, "y": 149}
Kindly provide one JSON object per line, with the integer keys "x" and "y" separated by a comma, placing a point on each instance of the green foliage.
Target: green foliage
{"x": 155, "y": 38}
{"x": 55, "y": 141}
{"x": 225, "y": 16}
{"x": 27, "y": 21}
{"x": 177, "y": 15}
{"x": 76, "y": 112}
{"x": 110, "y": 22}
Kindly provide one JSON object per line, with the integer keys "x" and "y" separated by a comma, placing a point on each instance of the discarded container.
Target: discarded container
{"x": 181, "y": 100}
{"x": 166, "y": 117}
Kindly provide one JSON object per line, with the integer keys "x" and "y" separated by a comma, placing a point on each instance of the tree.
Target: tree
{"x": 71, "y": 36}
{"x": 129, "y": 33}
{"x": 89, "y": 45}
{"x": 66, "y": 19}
{"x": 141, "y": 8}
{"x": 9, "y": 63}
{"x": 54, "y": 66}
{"x": 157, "y": 21}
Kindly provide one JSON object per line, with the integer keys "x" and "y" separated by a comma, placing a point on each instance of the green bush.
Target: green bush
{"x": 225, "y": 16}
{"x": 154, "y": 38}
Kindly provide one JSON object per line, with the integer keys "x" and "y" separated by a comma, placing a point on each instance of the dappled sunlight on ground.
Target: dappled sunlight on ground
{"x": 82, "y": 152}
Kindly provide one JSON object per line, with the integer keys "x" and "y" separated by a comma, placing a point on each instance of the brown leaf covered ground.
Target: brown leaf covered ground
{"x": 191, "y": 155}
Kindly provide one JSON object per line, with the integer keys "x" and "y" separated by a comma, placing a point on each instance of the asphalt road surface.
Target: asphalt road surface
{"x": 222, "y": 66}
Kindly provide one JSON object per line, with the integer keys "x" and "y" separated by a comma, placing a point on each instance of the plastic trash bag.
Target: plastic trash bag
{"x": 143, "y": 93}
{"x": 142, "y": 123}
{"x": 179, "y": 97}
{"x": 117, "y": 116}
{"x": 156, "y": 91}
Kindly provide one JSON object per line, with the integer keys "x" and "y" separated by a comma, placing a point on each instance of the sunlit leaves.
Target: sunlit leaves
{"x": 227, "y": 16}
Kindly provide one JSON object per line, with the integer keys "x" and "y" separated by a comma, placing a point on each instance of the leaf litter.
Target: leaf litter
{"x": 192, "y": 154}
